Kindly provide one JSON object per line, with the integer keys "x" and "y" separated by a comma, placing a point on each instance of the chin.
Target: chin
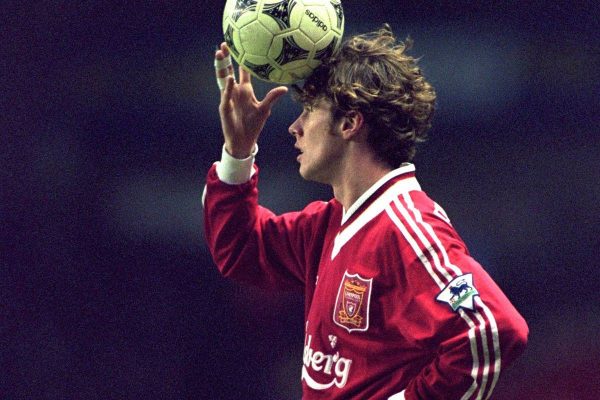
{"x": 313, "y": 176}
{"x": 305, "y": 173}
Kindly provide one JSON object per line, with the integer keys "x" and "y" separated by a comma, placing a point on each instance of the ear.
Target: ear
{"x": 352, "y": 125}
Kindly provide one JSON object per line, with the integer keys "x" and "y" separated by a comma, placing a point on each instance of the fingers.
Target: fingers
{"x": 226, "y": 92}
{"x": 223, "y": 66}
{"x": 272, "y": 97}
{"x": 223, "y": 69}
{"x": 226, "y": 81}
{"x": 224, "y": 49}
{"x": 244, "y": 75}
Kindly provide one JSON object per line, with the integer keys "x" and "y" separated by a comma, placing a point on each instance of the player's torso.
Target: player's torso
{"x": 354, "y": 334}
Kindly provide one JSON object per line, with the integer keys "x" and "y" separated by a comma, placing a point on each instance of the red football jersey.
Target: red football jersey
{"x": 395, "y": 305}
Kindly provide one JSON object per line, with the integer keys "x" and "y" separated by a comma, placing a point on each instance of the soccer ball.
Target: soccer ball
{"x": 282, "y": 41}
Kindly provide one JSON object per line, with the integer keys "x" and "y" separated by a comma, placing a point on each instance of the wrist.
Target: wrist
{"x": 240, "y": 151}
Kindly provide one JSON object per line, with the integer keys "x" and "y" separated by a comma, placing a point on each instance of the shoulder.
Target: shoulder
{"x": 420, "y": 206}
{"x": 415, "y": 213}
{"x": 318, "y": 212}
{"x": 315, "y": 215}
{"x": 320, "y": 207}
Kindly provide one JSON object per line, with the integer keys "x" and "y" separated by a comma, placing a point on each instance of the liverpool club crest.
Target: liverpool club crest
{"x": 352, "y": 303}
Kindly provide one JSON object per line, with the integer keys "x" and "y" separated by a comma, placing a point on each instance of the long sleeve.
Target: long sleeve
{"x": 455, "y": 308}
{"x": 251, "y": 244}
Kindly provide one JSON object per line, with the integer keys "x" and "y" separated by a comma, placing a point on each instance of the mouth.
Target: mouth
{"x": 299, "y": 156}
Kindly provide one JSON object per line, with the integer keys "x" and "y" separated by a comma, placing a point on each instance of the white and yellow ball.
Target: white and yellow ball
{"x": 282, "y": 41}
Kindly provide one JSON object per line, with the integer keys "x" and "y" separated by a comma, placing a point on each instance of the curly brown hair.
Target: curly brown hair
{"x": 372, "y": 73}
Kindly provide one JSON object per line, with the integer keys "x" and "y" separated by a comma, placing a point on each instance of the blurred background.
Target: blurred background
{"x": 109, "y": 123}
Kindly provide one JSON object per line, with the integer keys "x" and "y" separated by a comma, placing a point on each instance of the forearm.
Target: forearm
{"x": 247, "y": 241}
{"x": 469, "y": 364}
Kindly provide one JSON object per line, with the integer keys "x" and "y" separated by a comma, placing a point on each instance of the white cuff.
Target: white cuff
{"x": 397, "y": 396}
{"x": 234, "y": 171}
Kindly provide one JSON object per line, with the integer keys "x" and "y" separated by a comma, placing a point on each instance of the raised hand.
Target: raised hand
{"x": 242, "y": 115}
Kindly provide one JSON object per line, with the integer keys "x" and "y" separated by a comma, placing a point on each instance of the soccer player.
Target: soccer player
{"x": 396, "y": 308}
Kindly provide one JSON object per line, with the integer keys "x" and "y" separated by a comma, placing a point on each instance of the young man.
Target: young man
{"x": 395, "y": 306}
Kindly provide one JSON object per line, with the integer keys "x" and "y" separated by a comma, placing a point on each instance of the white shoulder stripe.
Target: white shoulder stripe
{"x": 474, "y": 354}
{"x": 429, "y": 229}
{"x": 495, "y": 342}
{"x": 472, "y": 332}
{"x": 427, "y": 245}
{"x": 437, "y": 253}
{"x": 415, "y": 246}
{"x": 486, "y": 355}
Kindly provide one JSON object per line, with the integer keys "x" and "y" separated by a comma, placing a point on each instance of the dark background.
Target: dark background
{"x": 109, "y": 123}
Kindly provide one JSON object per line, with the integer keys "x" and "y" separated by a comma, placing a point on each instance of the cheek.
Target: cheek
{"x": 319, "y": 148}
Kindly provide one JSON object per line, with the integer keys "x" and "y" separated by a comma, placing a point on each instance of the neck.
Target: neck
{"x": 357, "y": 178}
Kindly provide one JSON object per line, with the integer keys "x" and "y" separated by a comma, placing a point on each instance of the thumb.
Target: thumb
{"x": 272, "y": 97}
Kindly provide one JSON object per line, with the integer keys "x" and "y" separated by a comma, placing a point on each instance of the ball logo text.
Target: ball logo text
{"x": 316, "y": 20}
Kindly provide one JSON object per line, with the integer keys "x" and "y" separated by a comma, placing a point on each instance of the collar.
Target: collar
{"x": 373, "y": 202}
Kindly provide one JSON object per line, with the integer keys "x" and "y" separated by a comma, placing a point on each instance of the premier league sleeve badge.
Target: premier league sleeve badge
{"x": 351, "y": 310}
{"x": 460, "y": 293}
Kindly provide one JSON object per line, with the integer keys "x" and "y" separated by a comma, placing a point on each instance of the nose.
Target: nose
{"x": 295, "y": 128}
